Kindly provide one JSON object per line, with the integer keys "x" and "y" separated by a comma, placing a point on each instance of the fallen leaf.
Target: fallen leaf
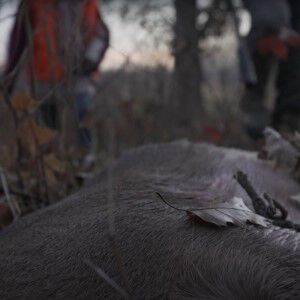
{"x": 22, "y": 102}
{"x": 7, "y": 156}
{"x": 52, "y": 162}
{"x": 54, "y": 168}
{"x": 32, "y": 135}
{"x": 52, "y": 179}
{"x": 232, "y": 212}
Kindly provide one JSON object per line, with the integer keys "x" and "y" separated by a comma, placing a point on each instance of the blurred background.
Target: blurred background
{"x": 81, "y": 81}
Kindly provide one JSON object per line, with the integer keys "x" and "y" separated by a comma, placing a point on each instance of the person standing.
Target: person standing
{"x": 55, "y": 49}
{"x": 274, "y": 44}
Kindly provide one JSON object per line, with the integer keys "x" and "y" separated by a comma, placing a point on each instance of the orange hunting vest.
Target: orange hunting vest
{"x": 45, "y": 21}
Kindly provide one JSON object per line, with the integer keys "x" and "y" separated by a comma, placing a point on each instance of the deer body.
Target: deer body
{"x": 164, "y": 254}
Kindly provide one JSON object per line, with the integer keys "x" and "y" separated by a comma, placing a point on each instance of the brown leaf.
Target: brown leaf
{"x": 52, "y": 179}
{"x": 53, "y": 163}
{"x": 22, "y": 102}
{"x": 32, "y": 135}
{"x": 7, "y": 156}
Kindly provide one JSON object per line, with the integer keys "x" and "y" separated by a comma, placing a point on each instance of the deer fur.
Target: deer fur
{"x": 165, "y": 255}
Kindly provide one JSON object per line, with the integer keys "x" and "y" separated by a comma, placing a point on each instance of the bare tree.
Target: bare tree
{"x": 185, "y": 93}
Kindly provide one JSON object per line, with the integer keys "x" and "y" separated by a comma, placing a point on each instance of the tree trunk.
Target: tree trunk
{"x": 185, "y": 94}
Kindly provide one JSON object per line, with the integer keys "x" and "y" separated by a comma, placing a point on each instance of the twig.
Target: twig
{"x": 258, "y": 203}
{"x": 18, "y": 140}
{"x": 40, "y": 166}
{"x": 167, "y": 203}
{"x": 12, "y": 205}
{"x": 260, "y": 207}
{"x": 106, "y": 278}
{"x": 276, "y": 205}
{"x": 19, "y": 193}
{"x": 111, "y": 209}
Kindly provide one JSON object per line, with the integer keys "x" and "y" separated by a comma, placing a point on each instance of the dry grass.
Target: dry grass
{"x": 135, "y": 102}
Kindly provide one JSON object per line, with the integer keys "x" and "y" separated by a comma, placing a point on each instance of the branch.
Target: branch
{"x": 258, "y": 203}
{"x": 267, "y": 210}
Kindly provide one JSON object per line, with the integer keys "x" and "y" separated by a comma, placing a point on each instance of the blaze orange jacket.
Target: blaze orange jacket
{"x": 43, "y": 36}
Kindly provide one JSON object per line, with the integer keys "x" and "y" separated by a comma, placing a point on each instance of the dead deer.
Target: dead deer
{"x": 137, "y": 247}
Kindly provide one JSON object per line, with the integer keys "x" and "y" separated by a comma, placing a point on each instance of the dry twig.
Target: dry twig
{"x": 267, "y": 206}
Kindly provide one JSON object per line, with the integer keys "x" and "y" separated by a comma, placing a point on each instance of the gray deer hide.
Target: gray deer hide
{"x": 157, "y": 250}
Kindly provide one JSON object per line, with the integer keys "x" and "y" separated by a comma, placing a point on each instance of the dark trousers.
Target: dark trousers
{"x": 287, "y": 106}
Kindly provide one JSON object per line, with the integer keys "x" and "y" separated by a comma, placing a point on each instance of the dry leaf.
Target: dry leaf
{"x": 22, "y": 102}
{"x": 53, "y": 167}
{"x": 7, "y": 156}
{"x": 232, "y": 212}
{"x": 32, "y": 135}
{"x": 280, "y": 150}
{"x": 52, "y": 179}
{"x": 53, "y": 163}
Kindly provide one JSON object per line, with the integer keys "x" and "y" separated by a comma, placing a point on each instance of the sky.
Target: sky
{"x": 129, "y": 39}
{"x": 6, "y": 22}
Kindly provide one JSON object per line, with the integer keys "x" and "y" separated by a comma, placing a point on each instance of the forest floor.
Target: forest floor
{"x": 130, "y": 109}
